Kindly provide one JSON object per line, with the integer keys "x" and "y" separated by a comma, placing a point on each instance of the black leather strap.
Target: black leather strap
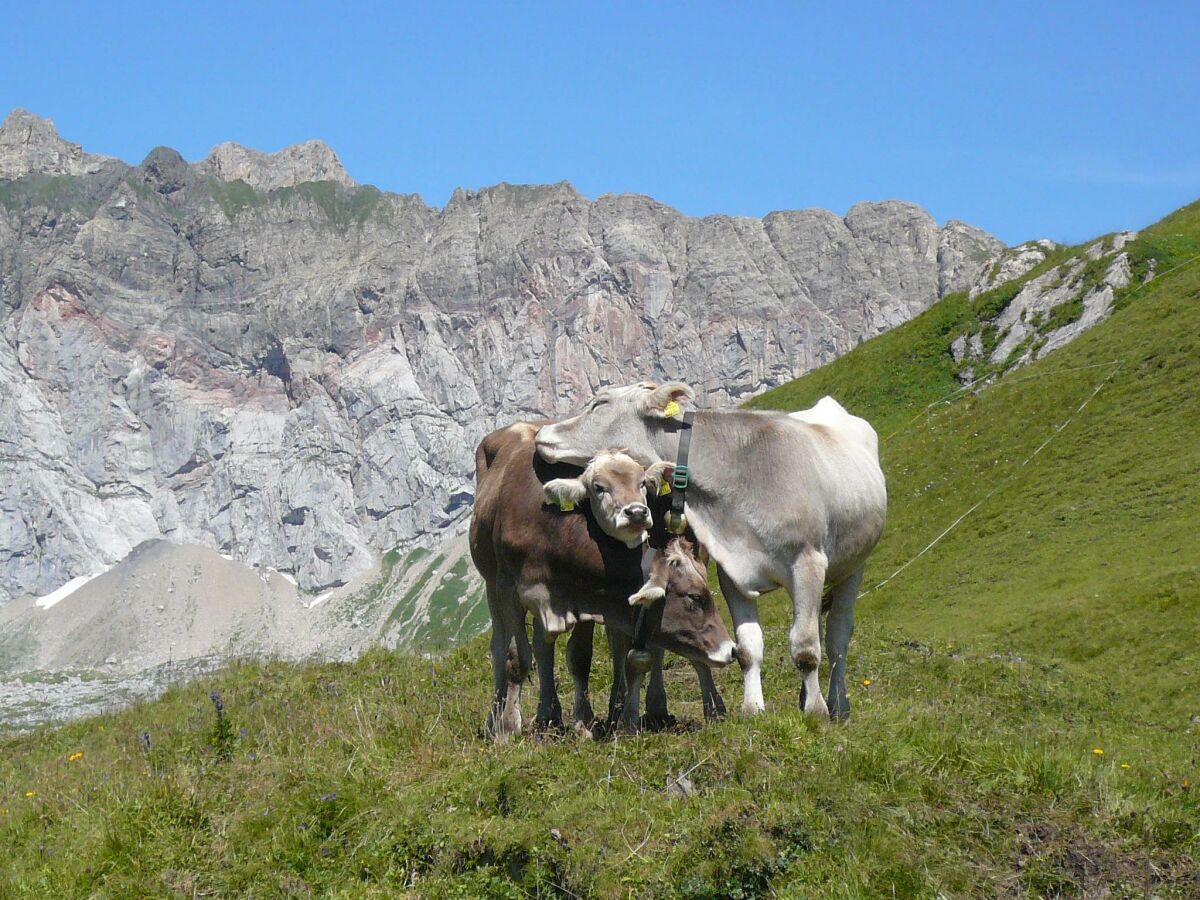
{"x": 679, "y": 485}
{"x": 640, "y": 635}
{"x": 682, "y": 475}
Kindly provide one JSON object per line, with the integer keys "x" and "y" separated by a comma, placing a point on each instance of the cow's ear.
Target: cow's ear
{"x": 565, "y": 493}
{"x": 667, "y": 400}
{"x": 658, "y": 478}
{"x": 650, "y": 594}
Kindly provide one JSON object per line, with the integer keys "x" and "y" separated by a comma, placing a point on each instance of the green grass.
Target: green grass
{"x": 56, "y": 193}
{"x": 406, "y": 605}
{"x": 455, "y": 612}
{"x": 1059, "y": 618}
{"x": 234, "y": 196}
{"x": 342, "y": 206}
{"x": 1082, "y": 555}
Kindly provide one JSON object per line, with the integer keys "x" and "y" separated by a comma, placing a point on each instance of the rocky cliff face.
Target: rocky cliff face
{"x": 253, "y": 354}
{"x": 1035, "y": 306}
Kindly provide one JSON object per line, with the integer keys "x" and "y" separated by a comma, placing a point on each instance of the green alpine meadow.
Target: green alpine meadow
{"x": 1023, "y": 679}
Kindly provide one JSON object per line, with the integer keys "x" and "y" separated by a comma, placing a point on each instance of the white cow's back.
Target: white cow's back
{"x": 833, "y": 415}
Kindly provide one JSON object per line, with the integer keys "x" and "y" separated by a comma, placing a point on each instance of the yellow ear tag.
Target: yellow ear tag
{"x": 566, "y": 504}
{"x": 672, "y": 409}
{"x": 664, "y": 488}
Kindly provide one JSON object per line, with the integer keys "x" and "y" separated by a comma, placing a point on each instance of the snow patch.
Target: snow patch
{"x": 49, "y": 600}
{"x": 286, "y": 576}
{"x": 321, "y": 598}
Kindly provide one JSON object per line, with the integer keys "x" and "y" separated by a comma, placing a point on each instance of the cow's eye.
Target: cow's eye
{"x": 695, "y": 598}
{"x": 600, "y": 489}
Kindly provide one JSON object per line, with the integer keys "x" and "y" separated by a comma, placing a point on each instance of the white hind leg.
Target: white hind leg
{"x": 837, "y": 641}
{"x": 808, "y": 582}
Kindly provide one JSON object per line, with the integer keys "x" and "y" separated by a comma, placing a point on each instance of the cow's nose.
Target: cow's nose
{"x": 725, "y": 654}
{"x": 636, "y": 512}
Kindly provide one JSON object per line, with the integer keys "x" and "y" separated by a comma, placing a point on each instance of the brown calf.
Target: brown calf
{"x": 564, "y": 569}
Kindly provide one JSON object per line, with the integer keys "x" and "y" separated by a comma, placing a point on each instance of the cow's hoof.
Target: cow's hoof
{"x": 715, "y": 712}
{"x": 752, "y": 708}
{"x": 497, "y": 733}
{"x": 659, "y": 722}
{"x": 817, "y": 710}
{"x": 814, "y": 705}
{"x": 583, "y": 731}
{"x": 499, "y": 727}
{"x": 630, "y": 726}
{"x": 583, "y": 713}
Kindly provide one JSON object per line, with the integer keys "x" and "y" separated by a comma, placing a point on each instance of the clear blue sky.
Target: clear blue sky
{"x": 1043, "y": 119}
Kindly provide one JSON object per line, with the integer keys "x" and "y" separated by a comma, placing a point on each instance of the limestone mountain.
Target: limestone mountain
{"x": 254, "y": 354}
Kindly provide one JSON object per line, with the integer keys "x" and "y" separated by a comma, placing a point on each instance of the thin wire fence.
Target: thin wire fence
{"x": 946, "y": 400}
{"x": 1116, "y": 367}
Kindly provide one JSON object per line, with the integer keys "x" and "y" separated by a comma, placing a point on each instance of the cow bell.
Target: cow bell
{"x": 676, "y": 522}
{"x": 639, "y": 661}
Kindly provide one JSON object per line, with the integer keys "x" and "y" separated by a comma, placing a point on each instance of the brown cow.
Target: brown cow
{"x": 563, "y": 568}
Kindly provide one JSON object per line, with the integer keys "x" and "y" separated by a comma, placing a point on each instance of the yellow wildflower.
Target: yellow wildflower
{"x": 1186, "y": 783}
{"x": 29, "y": 794}
{"x": 1098, "y": 751}
{"x": 1124, "y": 765}
{"x": 76, "y": 756}
{"x": 866, "y": 682}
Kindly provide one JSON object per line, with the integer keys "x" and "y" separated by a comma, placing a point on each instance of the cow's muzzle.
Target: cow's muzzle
{"x": 637, "y": 514}
{"x": 723, "y": 655}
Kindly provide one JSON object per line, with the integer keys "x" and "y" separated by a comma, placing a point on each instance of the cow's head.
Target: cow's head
{"x": 616, "y": 487}
{"x": 617, "y": 416}
{"x": 690, "y": 624}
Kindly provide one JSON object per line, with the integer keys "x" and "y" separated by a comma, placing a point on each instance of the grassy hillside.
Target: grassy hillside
{"x": 1023, "y": 693}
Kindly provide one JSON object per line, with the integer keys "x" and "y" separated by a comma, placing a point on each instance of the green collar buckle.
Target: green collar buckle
{"x": 679, "y": 479}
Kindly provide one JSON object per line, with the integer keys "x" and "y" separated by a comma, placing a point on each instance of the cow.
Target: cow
{"x": 657, "y": 568}
{"x": 569, "y": 564}
{"x": 794, "y": 501}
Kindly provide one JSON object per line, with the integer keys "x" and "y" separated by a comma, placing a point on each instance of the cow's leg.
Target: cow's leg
{"x": 808, "y": 582}
{"x": 748, "y": 634}
{"x": 500, "y": 639}
{"x": 510, "y": 663}
{"x": 837, "y": 640}
{"x": 657, "y": 716}
{"x": 618, "y": 646}
{"x": 636, "y": 664}
{"x": 549, "y": 710}
{"x": 714, "y": 706}
{"x": 495, "y": 727}
{"x": 579, "y": 664}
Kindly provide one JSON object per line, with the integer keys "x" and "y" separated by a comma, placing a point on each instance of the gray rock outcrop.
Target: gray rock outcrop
{"x": 30, "y": 145}
{"x": 1051, "y": 308}
{"x": 298, "y": 164}
{"x": 253, "y": 354}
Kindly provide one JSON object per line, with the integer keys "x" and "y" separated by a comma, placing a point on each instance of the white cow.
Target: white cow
{"x": 793, "y": 501}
